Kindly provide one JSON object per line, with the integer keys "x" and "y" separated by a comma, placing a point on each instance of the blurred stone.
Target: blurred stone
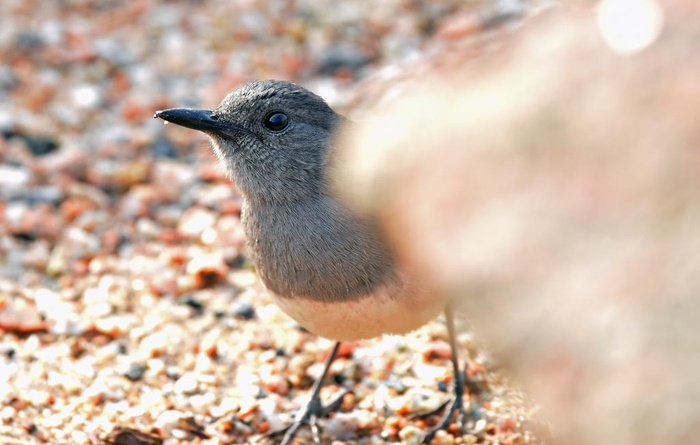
{"x": 216, "y": 194}
{"x": 554, "y": 190}
{"x": 49, "y": 194}
{"x": 86, "y": 96}
{"x": 137, "y": 201}
{"x": 81, "y": 244}
{"x": 37, "y": 145}
{"x": 36, "y": 255}
{"x": 187, "y": 384}
{"x": 112, "y": 174}
{"x": 341, "y": 56}
{"x": 191, "y": 301}
{"x": 344, "y": 426}
{"x": 8, "y": 81}
{"x": 135, "y": 371}
{"x": 73, "y": 207}
{"x": 129, "y": 436}
{"x": 172, "y": 178}
{"x": 62, "y": 317}
{"x": 245, "y": 311}
{"x": 95, "y": 196}
{"x": 163, "y": 148}
{"x": 13, "y": 177}
{"x": 57, "y": 263}
{"x": 17, "y": 315}
{"x": 207, "y": 269}
{"x": 70, "y": 158}
{"x": 411, "y": 435}
{"x": 194, "y": 221}
{"x": 14, "y": 215}
{"x": 28, "y": 41}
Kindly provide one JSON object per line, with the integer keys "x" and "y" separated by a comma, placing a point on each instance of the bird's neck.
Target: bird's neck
{"x": 265, "y": 181}
{"x": 315, "y": 248}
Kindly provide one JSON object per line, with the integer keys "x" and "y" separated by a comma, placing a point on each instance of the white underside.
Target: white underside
{"x": 387, "y": 311}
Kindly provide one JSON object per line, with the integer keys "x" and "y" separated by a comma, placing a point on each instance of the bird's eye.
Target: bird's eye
{"x": 276, "y": 121}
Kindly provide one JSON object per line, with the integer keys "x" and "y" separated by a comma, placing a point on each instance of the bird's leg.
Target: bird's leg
{"x": 456, "y": 405}
{"x": 313, "y": 410}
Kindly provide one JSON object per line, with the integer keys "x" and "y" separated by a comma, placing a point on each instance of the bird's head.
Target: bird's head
{"x": 272, "y": 136}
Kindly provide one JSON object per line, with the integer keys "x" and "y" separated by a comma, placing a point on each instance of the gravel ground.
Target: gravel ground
{"x": 129, "y": 312}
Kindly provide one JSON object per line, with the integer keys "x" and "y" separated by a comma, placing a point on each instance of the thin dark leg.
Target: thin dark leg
{"x": 313, "y": 409}
{"x": 457, "y": 403}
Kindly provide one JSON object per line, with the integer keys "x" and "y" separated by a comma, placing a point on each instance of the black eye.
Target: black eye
{"x": 276, "y": 121}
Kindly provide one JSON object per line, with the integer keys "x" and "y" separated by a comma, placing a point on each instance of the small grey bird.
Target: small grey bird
{"x": 327, "y": 265}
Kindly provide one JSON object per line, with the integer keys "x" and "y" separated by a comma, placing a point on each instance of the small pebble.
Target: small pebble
{"x": 194, "y": 221}
{"x": 411, "y": 435}
{"x": 200, "y": 403}
{"x": 470, "y": 439}
{"x": 13, "y": 177}
{"x": 191, "y": 301}
{"x": 173, "y": 372}
{"x": 38, "y": 398}
{"x": 163, "y": 148}
{"x": 187, "y": 384}
{"x": 344, "y": 426}
{"x": 7, "y": 413}
{"x": 207, "y": 269}
{"x": 226, "y": 407}
{"x": 39, "y": 145}
{"x": 168, "y": 420}
{"x": 79, "y": 437}
{"x": 442, "y": 437}
{"x": 135, "y": 371}
{"x": 244, "y": 311}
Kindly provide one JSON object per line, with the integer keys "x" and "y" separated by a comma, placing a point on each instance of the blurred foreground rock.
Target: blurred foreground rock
{"x": 554, "y": 187}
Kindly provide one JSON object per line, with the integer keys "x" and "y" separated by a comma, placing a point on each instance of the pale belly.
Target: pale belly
{"x": 387, "y": 311}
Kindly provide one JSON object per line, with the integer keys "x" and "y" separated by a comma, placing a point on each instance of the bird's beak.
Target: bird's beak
{"x": 201, "y": 120}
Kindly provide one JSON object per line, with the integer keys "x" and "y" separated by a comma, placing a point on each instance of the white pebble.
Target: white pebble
{"x": 86, "y": 96}
{"x": 344, "y": 426}
{"x": 53, "y": 421}
{"x": 187, "y": 384}
{"x": 442, "y": 437}
{"x": 168, "y": 420}
{"x": 227, "y": 406}
{"x": 7, "y": 413}
{"x": 37, "y": 398}
{"x": 68, "y": 383}
{"x": 13, "y": 178}
{"x": 79, "y": 437}
{"x": 201, "y": 402}
{"x": 269, "y": 408}
{"x": 136, "y": 412}
{"x": 114, "y": 409}
{"x": 411, "y": 435}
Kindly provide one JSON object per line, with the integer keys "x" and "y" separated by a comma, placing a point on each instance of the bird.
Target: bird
{"x": 326, "y": 263}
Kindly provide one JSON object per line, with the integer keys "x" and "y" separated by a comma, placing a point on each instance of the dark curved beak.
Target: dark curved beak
{"x": 202, "y": 120}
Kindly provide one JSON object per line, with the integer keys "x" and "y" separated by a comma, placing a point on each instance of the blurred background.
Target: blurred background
{"x": 537, "y": 161}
